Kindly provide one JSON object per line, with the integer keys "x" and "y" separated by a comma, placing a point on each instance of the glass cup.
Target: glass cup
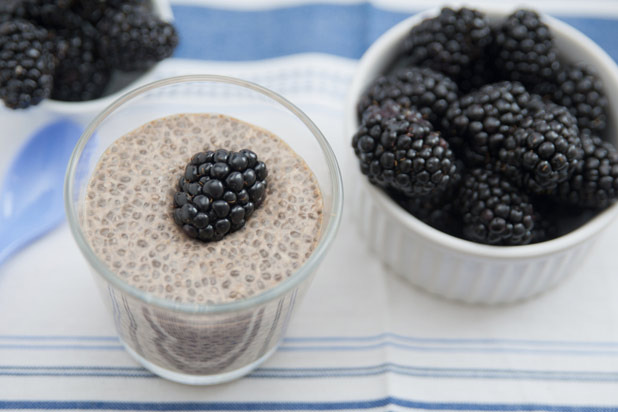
{"x": 189, "y": 342}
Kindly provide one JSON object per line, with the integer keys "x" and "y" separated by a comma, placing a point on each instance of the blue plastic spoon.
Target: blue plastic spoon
{"x": 31, "y": 202}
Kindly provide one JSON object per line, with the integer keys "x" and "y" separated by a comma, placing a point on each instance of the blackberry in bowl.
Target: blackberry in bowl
{"x": 88, "y": 53}
{"x": 537, "y": 170}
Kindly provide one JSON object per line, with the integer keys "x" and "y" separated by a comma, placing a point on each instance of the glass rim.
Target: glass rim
{"x": 270, "y": 294}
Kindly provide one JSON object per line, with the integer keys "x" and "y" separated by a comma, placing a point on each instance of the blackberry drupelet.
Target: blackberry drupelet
{"x": 544, "y": 151}
{"x": 578, "y": 88}
{"x": 595, "y": 182}
{"x": 478, "y": 123}
{"x": 219, "y": 192}
{"x": 524, "y": 49}
{"x": 493, "y": 210}
{"x": 26, "y": 64}
{"x": 450, "y": 43}
{"x": 422, "y": 89}
{"x": 132, "y": 38}
{"x": 81, "y": 74}
{"x": 398, "y": 149}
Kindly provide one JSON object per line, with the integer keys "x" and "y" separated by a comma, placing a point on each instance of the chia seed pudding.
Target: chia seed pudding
{"x": 127, "y": 213}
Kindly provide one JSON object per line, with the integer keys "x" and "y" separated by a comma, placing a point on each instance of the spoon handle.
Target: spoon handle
{"x": 31, "y": 202}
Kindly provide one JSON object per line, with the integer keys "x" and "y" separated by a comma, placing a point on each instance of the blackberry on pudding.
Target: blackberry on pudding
{"x": 218, "y": 192}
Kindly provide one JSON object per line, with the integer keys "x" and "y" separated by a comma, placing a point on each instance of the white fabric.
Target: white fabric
{"x": 361, "y": 335}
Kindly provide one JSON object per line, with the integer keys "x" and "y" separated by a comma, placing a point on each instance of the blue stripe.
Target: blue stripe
{"x": 59, "y": 337}
{"x": 458, "y": 341}
{"x": 80, "y": 374}
{"x": 602, "y": 31}
{"x": 496, "y": 350}
{"x": 235, "y": 35}
{"x": 423, "y": 372}
{"x": 319, "y": 373}
{"x": 62, "y": 347}
{"x": 77, "y": 371}
{"x": 351, "y": 348}
{"x": 345, "y": 30}
{"x": 74, "y": 368}
{"x": 367, "y": 338}
{"x": 296, "y": 406}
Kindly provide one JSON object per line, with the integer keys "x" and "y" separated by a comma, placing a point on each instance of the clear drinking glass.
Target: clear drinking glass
{"x": 204, "y": 343}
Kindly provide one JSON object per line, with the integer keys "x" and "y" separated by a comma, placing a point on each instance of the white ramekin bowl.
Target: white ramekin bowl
{"x": 120, "y": 83}
{"x": 455, "y": 268}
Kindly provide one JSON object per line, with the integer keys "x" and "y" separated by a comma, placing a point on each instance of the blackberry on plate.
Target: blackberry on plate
{"x": 579, "y": 89}
{"x": 483, "y": 119}
{"x": 218, "y": 192}
{"x": 493, "y": 210}
{"x": 398, "y": 149}
{"x": 449, "y": 43}
{"x": 524, "y": 50}
{"x": 26, "y": 64}
{"x": 544, "y": 151}
{"x": 81, "y": 74}
{"x": 132, "y": 38}
{"x": 427, "y": 91}
{"x": 595, "y": 181}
